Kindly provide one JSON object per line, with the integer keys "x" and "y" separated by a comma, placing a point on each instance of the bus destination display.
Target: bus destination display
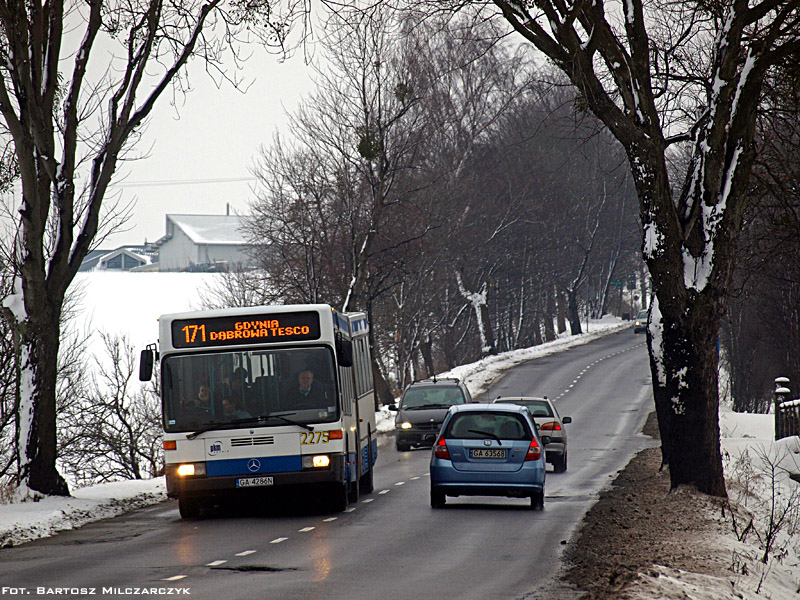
{"x": 246, "y": 329}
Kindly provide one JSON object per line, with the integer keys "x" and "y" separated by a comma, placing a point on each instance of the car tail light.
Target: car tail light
{"x": 440, "y": 449}
{"x": 534, "y": 451}
{"x": 551, "y": 426}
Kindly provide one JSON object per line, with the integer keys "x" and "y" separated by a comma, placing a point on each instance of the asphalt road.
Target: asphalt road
{"x": 389, "y": 545}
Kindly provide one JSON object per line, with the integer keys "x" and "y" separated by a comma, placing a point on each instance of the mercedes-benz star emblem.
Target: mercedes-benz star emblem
{"x": 487, "y": 442}
{"x": 253, "y": 465}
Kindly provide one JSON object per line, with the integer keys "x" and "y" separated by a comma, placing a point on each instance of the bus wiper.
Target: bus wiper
{"x": 246, "y": 421}
{"x": 487, "y": 434}
{"x": 290, "y": 421}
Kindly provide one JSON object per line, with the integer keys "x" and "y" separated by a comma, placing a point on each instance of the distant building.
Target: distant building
{"x": 203, "y": 243}
{"x": 124, "y": 258}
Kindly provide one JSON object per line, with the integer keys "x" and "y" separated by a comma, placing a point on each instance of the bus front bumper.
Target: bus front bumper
{"x": 178, "y": 486}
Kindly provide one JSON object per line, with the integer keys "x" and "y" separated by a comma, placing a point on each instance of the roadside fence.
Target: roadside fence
{"x": 787, "y": 412}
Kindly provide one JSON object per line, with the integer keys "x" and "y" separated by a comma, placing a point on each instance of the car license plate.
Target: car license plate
{"x": 487, "y": 453}
{"x": 253, "y": 481}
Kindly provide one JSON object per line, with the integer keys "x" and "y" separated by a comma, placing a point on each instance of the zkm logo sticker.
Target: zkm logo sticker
{"x": 215, "y": 448}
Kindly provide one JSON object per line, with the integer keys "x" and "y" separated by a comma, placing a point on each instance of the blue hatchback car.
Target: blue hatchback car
{"x": 488, "y": 450}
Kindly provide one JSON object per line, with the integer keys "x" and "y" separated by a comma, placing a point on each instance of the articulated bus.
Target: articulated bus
{"x": 256, "y": 399}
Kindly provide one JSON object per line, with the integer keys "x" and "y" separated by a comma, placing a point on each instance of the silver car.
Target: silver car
{"x": 549, "y": 423}
{"x": 640, "y": 323}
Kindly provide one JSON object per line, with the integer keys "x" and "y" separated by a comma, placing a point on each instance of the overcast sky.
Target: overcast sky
{"x": 202, "y": 151}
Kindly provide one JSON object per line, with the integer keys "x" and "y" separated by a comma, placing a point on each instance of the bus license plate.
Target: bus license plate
{"x": 253, "y": 481}
{"x": 488, "y": 453}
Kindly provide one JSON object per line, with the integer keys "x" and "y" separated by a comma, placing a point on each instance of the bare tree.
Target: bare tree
{"x": 658, "y": 75}
{"x": 112, "y": 428}
{"x": 69, "y": 132}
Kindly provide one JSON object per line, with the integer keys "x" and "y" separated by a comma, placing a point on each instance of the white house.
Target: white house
{"x": 203, "y": 242}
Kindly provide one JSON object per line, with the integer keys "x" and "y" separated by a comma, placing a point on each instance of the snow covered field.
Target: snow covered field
{"x": 130, "y": 304}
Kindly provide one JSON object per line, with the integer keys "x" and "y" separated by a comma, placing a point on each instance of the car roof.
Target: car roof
{"x": 513, "y": 399}
{"x": 429, "y": 384}
{"x": 475, "y": 407}
{"x": 437, "y": 381}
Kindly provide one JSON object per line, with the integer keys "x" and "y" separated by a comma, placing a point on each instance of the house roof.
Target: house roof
{"x": 208, "y": 229}
{"x": 140, "y": 259}
{"x": 94, "y": 257}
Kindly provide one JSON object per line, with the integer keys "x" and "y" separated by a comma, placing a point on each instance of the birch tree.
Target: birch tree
{"x": 77, "y": 81}
{"x": 662, "y": 75}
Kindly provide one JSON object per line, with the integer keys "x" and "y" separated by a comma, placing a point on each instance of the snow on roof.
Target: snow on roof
{"x": 210, "y": 229}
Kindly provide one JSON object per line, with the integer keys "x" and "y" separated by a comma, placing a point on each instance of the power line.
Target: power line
{"x": 182, "y": 182}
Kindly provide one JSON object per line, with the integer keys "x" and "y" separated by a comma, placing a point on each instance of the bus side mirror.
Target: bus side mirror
{"x": 344, "y": 352}
{"x": 146, "y": 363}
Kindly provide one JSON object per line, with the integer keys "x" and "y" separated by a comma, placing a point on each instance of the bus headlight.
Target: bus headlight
{"x": 191, "y": 469}
{"x": 319, "y": 461}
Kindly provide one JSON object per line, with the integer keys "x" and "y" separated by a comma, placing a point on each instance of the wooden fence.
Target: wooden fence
{"x": 787, "y": 419}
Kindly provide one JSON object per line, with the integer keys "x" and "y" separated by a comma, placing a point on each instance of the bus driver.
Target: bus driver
{"x": 308, "y": 392}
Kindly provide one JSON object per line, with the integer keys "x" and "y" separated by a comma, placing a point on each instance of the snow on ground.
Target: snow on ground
{"x": 750, "y": 456}
{"x": 27, "y": 521}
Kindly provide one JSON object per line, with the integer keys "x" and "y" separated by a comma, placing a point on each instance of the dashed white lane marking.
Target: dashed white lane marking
{"x": 174, "y": 578}
{"x": 306, "y": 529}
{"x": 384, "y": 492}
{"x": 329, "y": 519}
{"x": 414, "y": 478}
{"x": 400, "y": 483}
{"x": 279, "y": 540}
{"x": 245, "y": 553}
{"x": 216, "y": 563}
{"x": 367, "y": 501}
{"x": 349, "y": 510}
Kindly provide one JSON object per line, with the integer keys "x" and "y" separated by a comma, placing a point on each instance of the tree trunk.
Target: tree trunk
{"x": 549, "y": 317}
{"x": 572, "y": 313}
{"x": 561, "y": 313}
{"x": 37, "y": 431}
{"x": 683, "y": 350}
{"x": 383, "y": 391}
{"x": 426, "y": 349}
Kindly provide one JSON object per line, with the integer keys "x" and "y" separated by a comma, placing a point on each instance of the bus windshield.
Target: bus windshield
{"x": 221, "y": 389}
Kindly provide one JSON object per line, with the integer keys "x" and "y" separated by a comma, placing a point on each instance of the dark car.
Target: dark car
{"x": 422, "y": 410}
{"x": 640, "y": 323}
{"x": 489, "y": 450}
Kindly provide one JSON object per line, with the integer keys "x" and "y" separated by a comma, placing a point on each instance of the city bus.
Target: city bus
{"x": 265, "y": 398}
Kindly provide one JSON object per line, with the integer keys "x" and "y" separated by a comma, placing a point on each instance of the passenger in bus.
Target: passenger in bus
{"x": 231, "y": 410}
{"x": 238, "y": 382}
{"x": 308, "y": 393}
{"x": 197, "y": 409}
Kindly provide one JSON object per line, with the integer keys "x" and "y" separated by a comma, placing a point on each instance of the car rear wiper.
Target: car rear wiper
{"x": 426, "y": 406}
{"x": 487, "y": 434}
{"x": 246, "y": 421}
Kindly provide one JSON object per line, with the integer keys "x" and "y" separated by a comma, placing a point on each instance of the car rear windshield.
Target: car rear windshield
{"x": 432, "y": 397}
{"x": 482, "y": 425}
{"x": 538, "y": 408}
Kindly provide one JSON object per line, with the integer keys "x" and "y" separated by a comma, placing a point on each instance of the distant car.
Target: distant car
{"x": 640, "y": 323}
{"x": 550, "y": 423}
{"x": 422, "y": 410}
{"x": 488, "y": 450}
